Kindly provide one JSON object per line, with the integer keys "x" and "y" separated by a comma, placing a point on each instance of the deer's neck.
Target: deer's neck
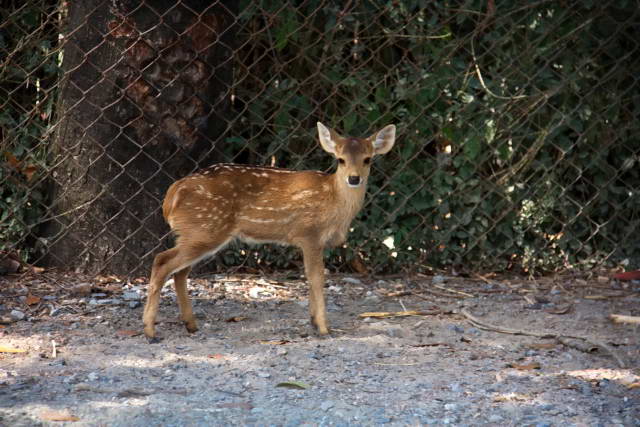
{"x": 348, "y": 199}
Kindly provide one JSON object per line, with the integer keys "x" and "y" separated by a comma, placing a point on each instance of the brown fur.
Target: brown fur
{"x": 307, "y": 209}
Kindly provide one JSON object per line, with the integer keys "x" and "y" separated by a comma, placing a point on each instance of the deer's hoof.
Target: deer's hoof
{"x": 322, "y": 330}
{"x": 153, "y": 340}
{"x": 191, "y": 326}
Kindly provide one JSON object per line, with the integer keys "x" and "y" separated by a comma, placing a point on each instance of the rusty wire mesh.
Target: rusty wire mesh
{"x": 518, "y": 142}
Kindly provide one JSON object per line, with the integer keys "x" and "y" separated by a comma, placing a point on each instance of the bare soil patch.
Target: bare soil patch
{"x": 417, "y": 358}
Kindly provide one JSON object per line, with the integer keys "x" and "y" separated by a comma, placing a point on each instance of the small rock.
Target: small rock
{"x": 49, "y": 297}
{"x": 134, "y": 304}
{"x": 395, "y": 332}
{"x": 450, "y": 406}
{"x": 352, "y": 280}
{"x": 455, "y": 387}
{"x": 326, "y": 405}
{"x": 331, "y": 306}
{"x": 98, "y": 295}
{"x": 456, "y": 328}
{"x": 438, "y": 279}
{"x": 81, "y": 290}
{"x": 264, "y": 375}
{"x": 281, "y": 352}
{"x": 131, "y": 296}
{"x": 93, "y": 376}
{"x": 17, "y": 315}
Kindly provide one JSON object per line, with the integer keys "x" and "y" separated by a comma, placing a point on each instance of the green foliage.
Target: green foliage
{"x": 29, "y": 71}
{"x": 517, "y": 141}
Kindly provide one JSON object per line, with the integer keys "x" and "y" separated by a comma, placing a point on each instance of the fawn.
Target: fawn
{"x": 308, "y": 209}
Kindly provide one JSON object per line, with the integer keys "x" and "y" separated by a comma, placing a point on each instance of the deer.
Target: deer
{"x": 311, "y": 210}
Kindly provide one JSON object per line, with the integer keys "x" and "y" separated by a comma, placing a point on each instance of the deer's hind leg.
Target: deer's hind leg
{"x": 184, "y": 303}
{"x": 177, "y": 260}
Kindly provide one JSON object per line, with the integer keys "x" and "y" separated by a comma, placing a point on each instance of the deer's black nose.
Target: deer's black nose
{"x": 354, "y": 180}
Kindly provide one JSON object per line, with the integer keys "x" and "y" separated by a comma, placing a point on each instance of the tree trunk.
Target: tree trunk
{"x": 145, "y": 101}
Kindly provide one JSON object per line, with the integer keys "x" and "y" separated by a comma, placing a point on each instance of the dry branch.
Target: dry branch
{"x": 621, "y": 318}
{"x": 558, "y": 337}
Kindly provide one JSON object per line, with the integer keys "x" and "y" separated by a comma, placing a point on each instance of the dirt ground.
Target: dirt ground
{"x": 451, "y": 350}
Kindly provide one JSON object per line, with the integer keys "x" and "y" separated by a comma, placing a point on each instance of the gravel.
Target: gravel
{"x": 267, "y": 367}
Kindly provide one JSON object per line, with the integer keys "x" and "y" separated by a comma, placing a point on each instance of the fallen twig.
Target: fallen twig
{"x": 464, "y": 294}
{"x": 559, "y": 337}
{"x": 385, "y": 314}
{"x": 621, "y": 318}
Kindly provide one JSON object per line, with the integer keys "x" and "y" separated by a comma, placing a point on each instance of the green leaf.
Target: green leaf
{"x": 472, "y": 147}
{"x": 294, "y": 384}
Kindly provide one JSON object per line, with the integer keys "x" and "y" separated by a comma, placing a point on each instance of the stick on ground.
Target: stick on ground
{"x": 558, "y": 337}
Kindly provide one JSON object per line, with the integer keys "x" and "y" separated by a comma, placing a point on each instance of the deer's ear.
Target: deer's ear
{"x": 384, "y": 139}
{"x": 326, "y": 139}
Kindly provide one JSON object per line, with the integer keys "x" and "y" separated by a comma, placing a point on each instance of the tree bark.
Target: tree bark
{"x": 145, "y": 101}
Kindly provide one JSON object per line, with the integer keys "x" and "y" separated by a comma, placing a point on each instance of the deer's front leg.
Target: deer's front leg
{"x": 314, "y": 270}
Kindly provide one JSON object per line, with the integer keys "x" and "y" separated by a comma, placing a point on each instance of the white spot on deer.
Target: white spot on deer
{"x": 256, "y": 220}
{"x": 303, "y": 194}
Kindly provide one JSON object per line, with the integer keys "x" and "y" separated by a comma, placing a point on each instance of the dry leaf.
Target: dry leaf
{"x": 527, "y": 367}
{"x": 6, "y": 349}
{"x": 294, "y": 384}
{"x": 217, "y": 356}
{"x": 12, "y": 160}
{"x": 127, "y": 333}
{"x": 63, "y": 415}
{"x": 81, "y": 290}
{"x": 358, "y": 265}
{"x": 108, "y": 279}
{"x": 633, "y": 386}
{"x": 433, "y": 344}
{"x": 512, "y": 397}
{"x": 542, "y": 346}
{"x": 29, "y": 171}
{"x": 628, "y": 275}
{"x": 274, "y": 342}
{"x": 33, "y": 299}
{"x": 559, "y": 310}
{"x": 236, "y": 319}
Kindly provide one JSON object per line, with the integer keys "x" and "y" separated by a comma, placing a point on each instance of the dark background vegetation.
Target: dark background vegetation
{"x": 518, "y": 133}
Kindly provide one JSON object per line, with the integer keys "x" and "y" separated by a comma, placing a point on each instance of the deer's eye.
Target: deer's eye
{"x": 367, "y": 160}
{"x": 341, "y": 161}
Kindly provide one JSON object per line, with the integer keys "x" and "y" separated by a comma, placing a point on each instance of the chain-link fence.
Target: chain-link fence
{"x": 518, "y": 125}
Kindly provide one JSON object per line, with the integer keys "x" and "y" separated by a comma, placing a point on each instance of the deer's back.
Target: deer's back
{"x": 255, "y": 204}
